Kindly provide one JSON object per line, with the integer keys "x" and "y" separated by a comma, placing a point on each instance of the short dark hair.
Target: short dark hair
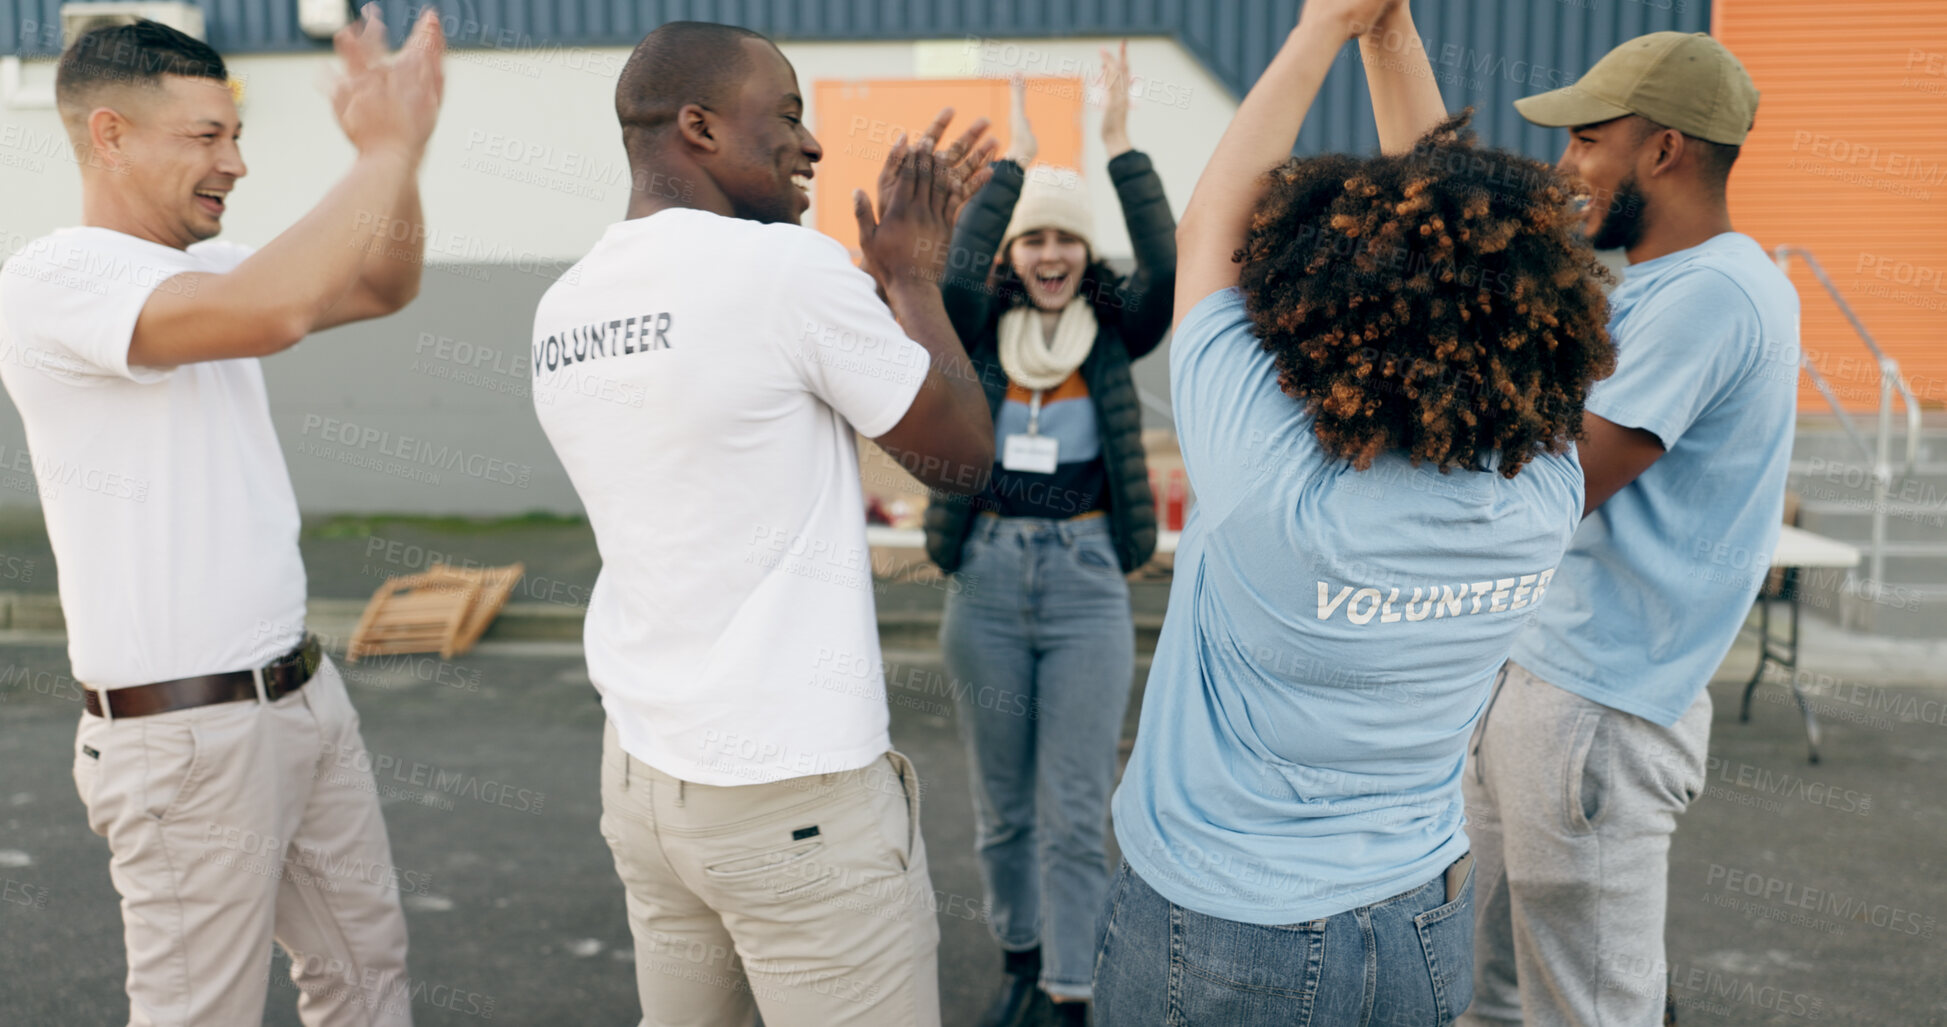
{"x": 137, "y": 53}
{"x": 1436, "y": 303}
{"x": 681, "y": 62}
{"x": 1714, "y": 160}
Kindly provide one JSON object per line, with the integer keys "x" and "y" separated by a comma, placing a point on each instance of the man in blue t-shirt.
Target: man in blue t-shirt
{"x": 1596, "y": 736}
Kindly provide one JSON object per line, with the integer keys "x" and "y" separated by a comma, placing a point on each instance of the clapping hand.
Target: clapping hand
{"x": 921, "y": 192}
{"x": 389, "y": 102}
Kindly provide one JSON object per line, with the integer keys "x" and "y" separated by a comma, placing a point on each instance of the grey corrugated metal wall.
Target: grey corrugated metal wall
{"x": 1485, "y": 52}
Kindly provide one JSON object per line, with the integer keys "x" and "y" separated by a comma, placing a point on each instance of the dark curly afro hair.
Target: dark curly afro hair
{"x": 1437, "y": 302}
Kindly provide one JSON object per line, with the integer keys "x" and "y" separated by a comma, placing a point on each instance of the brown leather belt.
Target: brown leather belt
{"x": 282, "y": 676}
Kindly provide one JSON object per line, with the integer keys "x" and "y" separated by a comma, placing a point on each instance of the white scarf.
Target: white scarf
{"x": 1033, "y": 362}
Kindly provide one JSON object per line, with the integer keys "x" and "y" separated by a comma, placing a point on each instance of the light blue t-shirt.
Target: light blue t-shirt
{"x": 1331, "y": 636}
{"x": 1660, "y": 577}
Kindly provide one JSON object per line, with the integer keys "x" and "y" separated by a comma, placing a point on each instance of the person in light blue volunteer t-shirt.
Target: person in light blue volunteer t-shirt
{"x": 1376, "y": 408}
{"x": 1596, "y": 737}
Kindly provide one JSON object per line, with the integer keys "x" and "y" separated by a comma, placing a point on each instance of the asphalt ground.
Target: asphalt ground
{"x": 1798, "y": 894}
{"x": 349, "y": 556}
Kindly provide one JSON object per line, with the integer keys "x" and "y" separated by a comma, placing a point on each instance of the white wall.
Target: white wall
{"x": 527, "y": 163}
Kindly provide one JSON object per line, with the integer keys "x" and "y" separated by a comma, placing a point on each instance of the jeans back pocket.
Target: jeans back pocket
{"x": 1447, "y": 937}
{"x": 1243, "y": 974}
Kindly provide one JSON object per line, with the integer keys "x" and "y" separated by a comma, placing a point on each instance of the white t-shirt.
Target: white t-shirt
{"x": 166, "y": 496}
{"x": 701, "y": 378}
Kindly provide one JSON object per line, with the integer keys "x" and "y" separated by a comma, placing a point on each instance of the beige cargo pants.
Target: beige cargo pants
{"x": 808, "y": 899}
{"x": 233, "y": 824}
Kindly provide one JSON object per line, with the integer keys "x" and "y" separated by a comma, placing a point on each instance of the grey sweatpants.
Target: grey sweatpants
{"x": 1570, "y": 808}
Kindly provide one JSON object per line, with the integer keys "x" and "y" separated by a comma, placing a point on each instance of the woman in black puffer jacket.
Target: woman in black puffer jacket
{"x": 1038, "y": 630}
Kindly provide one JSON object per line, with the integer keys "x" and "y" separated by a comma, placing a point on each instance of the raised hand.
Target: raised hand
{"x": 1347, "y": 18}
{"x": 1115, "y": 108}
{"x": 418, "y": 77}
{"x": 1021, "y": 146}
{"x": 921, "y": 192}
{"x": 361, "y": 47}
{"x": 388, "y": 103}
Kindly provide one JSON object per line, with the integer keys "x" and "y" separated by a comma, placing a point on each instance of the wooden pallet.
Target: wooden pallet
{"x": 444, "y": 610}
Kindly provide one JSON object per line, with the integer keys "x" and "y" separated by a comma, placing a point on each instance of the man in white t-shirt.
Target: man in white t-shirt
{"x": 703, "y": 375}
{"x": 219, "y": 754}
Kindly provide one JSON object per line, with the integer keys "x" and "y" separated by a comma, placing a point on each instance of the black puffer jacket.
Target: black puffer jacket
{"x": 1133, "y": 315}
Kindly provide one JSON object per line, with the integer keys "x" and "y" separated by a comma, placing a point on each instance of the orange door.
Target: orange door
{"x": 1849, "y": 160}
{"x": 859, "y": 120}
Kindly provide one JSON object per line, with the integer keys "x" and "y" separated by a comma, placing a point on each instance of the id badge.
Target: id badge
{"x": 1033, "y": 453}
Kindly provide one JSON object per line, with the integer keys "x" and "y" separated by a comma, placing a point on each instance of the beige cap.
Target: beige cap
{"x": 1682, "y": 80}
{"x": 1052, "y": 198}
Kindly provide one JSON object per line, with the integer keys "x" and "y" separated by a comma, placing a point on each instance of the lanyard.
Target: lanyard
{"x": 1034, "y": 414}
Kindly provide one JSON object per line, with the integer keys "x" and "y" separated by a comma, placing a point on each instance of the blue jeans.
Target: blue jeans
{"x": 1404, "y": 962}
{"x": 1043, "y": 647}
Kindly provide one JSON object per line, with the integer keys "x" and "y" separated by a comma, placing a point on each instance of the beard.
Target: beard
{"x": 1628, "y": 217}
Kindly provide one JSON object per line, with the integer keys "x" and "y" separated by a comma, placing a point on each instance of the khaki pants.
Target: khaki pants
{"x": 808, "y": 899}
{"x": 237, "y": 823}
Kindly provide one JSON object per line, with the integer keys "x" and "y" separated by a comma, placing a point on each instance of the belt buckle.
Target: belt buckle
{"x": 261, "y": 675}
{"x": 306, "y": 659}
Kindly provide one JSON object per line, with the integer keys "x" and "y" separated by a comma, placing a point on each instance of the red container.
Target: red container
{"x": 1174, "y": 501}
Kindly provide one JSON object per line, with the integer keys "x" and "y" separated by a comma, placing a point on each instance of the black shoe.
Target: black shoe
{"x": 1014, "y": 1006}
{"x": 1064, "y": 1014}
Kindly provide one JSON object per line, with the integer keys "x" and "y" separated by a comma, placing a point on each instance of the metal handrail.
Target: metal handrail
{"x": 1890, "y": 381}
{"x": 1832, "y": 400}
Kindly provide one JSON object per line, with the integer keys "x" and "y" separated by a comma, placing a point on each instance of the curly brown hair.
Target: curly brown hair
{"x": 1437, "y": 302}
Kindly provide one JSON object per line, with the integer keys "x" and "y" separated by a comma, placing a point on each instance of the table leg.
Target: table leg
{"x": 1764, "y": 656}
{"x": 1804, "y": 706}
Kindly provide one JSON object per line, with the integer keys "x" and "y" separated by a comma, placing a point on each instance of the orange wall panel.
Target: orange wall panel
{"x": 1849, "y": 160}
{"x": 858, "y": 121}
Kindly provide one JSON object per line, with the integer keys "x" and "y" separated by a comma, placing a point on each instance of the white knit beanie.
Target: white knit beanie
{"x": 1052, "y": 198}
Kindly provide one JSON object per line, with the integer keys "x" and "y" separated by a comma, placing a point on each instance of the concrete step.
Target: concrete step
{"x": 1835, "y": 485}
{"x": 1826, "y": 440}
{"x": 1853, "y": 522}
{"x": 1907, "y": 563}
{"x": 1838, "y": 482}
{"x": 1899, "y": 611}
